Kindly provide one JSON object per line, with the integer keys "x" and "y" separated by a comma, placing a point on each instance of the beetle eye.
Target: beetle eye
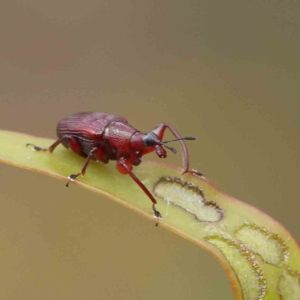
{"x": 150, "y": 139}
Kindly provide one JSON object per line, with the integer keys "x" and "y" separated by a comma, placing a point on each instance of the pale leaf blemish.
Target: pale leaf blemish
{"x": 289, "y": 285}
{"x": 244, "y": 264}
{"x": 271, "y": 248}
{"x": 189, "y": 197}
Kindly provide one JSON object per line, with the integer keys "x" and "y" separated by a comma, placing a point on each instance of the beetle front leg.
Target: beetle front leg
{"x": 196, "y": 172}
{"x": 159, "y": 131}
{"x": 73, "y": 177}
{"x": 125, "y": 167}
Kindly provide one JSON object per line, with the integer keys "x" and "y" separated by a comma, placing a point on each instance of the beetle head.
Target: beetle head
{"x": 151, "y": 140}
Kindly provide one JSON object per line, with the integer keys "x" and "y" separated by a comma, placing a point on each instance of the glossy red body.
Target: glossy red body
{"x": 87, "y": 131}
{"x": 104, "y": 137}
{"x": 111, "y": 137}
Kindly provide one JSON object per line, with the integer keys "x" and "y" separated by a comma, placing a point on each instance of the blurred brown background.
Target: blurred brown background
{"x": 224, "y": 71}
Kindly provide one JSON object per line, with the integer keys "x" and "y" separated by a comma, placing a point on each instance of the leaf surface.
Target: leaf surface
{"x": 258, "y": 254}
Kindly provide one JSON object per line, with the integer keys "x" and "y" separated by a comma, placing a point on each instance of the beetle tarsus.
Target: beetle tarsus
{"x": 194, "y": 171}
{"x": 36, "y": 148}
{"x": 72, "y": 177}
{"x": 157, "y": 214}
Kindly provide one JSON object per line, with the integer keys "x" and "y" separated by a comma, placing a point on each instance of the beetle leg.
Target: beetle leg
{"x": 73, "y": 177}
{"x": 159, "y": 131}
{"x": 52, "y": 147}
{"x": 124, "y": 165}
{"x": 193, "y": 171}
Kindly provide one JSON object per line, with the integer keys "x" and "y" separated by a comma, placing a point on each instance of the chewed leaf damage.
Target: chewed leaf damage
{"x": 245, "y": 265}
{"x": 263, "y": 242}
{"x": 189, "y": 197}
{"x": 289, "y": 285}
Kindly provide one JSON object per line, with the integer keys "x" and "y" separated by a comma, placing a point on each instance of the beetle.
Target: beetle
{"x": 104, "y": 137}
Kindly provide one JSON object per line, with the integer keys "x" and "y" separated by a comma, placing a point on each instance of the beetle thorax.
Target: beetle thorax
{"x": 119, "y": 134}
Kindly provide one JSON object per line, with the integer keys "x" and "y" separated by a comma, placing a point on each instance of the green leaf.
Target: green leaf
{"x": 260, "y": 257}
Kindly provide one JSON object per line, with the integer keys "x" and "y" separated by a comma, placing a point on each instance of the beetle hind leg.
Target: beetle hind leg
{"x": 51, "y": 148}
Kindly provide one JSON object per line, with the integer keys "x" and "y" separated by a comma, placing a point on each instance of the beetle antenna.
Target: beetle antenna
{"x": 187, "y": 138}
{"x": 170, "y": 148}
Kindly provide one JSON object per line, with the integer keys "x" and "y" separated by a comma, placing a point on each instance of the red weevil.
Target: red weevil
{"x": 103, "y": 137}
